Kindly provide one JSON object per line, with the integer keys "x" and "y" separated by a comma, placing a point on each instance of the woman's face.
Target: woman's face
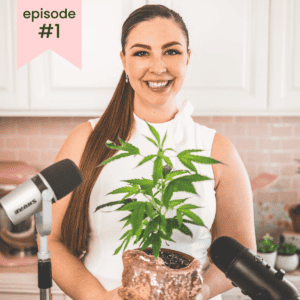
{"x": 156, "y": 51}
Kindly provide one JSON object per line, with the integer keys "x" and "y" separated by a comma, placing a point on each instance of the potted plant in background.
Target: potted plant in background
{"x": 287, "y": 258}
{"x": 267, "y": 250}
{"x": 171, "y": 274}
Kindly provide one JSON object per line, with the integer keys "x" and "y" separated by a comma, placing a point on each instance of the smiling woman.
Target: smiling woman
{"x": 155, "y": 56}
{"x": 156, "y": 74}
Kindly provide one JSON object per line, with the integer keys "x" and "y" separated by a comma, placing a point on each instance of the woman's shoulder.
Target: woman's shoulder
{"x": 224, "y": 151}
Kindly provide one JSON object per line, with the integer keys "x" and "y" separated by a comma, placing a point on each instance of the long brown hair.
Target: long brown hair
{"x": 116, "y": 121}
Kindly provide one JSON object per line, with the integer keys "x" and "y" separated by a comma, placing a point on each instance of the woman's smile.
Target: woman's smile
{"x": 159, "y": 87}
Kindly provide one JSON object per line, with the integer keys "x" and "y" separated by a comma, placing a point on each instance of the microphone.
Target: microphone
{"x": 60, "y": 178}
{"x": 250, "y": 272}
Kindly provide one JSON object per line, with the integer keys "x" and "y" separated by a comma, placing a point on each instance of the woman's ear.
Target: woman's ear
{"x": 123, "y": 60}
{"x": 189, "y": 56}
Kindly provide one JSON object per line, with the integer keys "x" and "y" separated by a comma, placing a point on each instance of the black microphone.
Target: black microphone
{"x": 26, "y": 200}
{"x": 250, "y": 272}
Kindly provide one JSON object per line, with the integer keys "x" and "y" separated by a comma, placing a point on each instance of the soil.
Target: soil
{"x": 171, "y": 260}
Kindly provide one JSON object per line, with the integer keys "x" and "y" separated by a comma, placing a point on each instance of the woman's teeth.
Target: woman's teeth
{"x": 156, "y": 85}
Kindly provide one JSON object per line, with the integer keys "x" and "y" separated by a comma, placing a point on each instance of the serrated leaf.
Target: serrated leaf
{"x": 127, "y": 241}
{"x": 168, "y": 161}
{"x": 157, "y": 170}
{"x": 137, "y": 217}
{"x": 149, "y": 210}
{"x": 162, "y": 144}
{"x": 202, "y": 159}
{"x": 143, "y": 183}
{"x": 176, "y": 202}
{"x": 114, "y": 203}
{"x": 147, "y": 242}
{"x": 185, "y": 230}
{"x": 197, "y": 220}
{"x": 152, "y": 226}
{"x": 129, "y": 147}
{"x": 156, "y": 245}
{"x": 175, "y": 173}
{"x": 119, "y": 248}
{"x": 163, "y": 223}
{"x": 114, "y": 158}
{"x": 187, "y": 163}
{"x": 183, "y": 185}
{"x": 145, "y": 159}
{"x": 131, "y": 206}
{"x": 188, "y": 206}
{"x": 152, "y": 141}
{"x": 121, "y": 190}
{"x": 179, "y": 217}
{"x": 154, "y": 132}
{"x": 125, "y": 234}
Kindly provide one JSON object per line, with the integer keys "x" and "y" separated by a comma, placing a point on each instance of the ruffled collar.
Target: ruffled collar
{"x": 178, "y": 124}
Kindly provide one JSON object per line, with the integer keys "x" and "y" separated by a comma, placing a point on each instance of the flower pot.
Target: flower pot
{"x": 145, "y": 278}
{"x": 287, "y": 262}
{"x": 269, "y": 258}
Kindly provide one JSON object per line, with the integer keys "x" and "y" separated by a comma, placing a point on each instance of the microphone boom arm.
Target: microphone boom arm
{"x": 43, "y": 221}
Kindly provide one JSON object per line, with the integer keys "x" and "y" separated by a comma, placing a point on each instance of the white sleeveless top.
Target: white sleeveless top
{"x": 106, "y": 230}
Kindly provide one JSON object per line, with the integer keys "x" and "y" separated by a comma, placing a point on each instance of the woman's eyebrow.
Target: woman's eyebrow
{"x": 163, "y": 46}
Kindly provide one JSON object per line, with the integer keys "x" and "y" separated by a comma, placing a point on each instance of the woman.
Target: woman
{"x": 154, "y": 50}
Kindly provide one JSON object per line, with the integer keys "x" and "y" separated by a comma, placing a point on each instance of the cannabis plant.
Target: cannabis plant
{"x": 148, "y": 218}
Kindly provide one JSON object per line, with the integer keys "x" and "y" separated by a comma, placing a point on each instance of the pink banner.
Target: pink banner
{"x": 52, "y": 24}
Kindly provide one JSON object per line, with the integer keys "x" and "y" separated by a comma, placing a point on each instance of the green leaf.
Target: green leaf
{"x": 158, "y": 202}
{"x": 151, "y": 141}
{"x": 131, "y": 206}
{"x": 187, "y": 163}
{"x": 179, "y": 217}
{"x": 157, "y": 170}
{"x": 183, "y": 185}
{"x": 202, "y": 159}
{"x": 128, "y": 240}
{"x": 175, "y": 173}
{"x": 168, "y": 161}
{"x": 119, "y": 248}
{"x": 152, "y": 226}
{"x": 111, "y": 145}
{"x": 156, "y": 245}
{"x": 167, "y": 194}
{"x": 193, "y": 216}
{"x": 185, "y": 230}
{"x": 115, "y": 158}
{"x": 129, "y": 147}
{"x": 145, "y": 159}
{"x": 195, "y": 177}
{"x": 165, "y": 237}
{"x": 114, "y": 203}
{"x": 148, "y": 241}
{"x": 164, "y": 139}
{"x": 149, "y": 210}
{"x": 138, "y": 233}
{"x": 137, "y": 217}
{"x": 188, "y": 206}
{"x": 169, "y": 149}
{"x": 163, "y": 223}
{"x": 154, "y": 132}
{"x": 143, "y": 183}
{"x": 176, "y": 202}
{"x": 122, "y": 190}
{"x": 125, "y": 234}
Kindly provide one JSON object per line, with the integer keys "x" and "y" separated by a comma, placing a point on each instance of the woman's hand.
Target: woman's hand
{"x": 113, "y": 295}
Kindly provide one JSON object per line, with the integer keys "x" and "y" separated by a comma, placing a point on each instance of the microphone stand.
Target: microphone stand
{"x": 43, "y": 221}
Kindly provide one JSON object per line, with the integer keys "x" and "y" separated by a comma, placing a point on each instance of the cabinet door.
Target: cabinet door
{"x": 57, "y": 85}
{"x": 13, "y": 83}
{"x": 228, "y": 68}
{"x": 285, "y": 56}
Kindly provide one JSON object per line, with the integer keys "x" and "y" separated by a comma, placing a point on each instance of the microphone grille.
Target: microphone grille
{"x": 223, "y": 251}
{"x": 63, "y": 177}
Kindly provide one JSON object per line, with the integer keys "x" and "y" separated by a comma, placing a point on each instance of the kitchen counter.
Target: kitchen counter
{"x": 23, "y": 280}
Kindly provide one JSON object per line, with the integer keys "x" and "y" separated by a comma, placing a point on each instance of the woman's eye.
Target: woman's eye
{"x": 172, "y": 50}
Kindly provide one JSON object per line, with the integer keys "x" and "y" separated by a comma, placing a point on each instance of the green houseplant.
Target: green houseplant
{"x": 287, "y": 257}
{"x": 267, "y": 249}
{"x": 148, "y": 221}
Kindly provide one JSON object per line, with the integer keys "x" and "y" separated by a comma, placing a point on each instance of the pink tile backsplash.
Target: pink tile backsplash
{"x": 265, "y": 144}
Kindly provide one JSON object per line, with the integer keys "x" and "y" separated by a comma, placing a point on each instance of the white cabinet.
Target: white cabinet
{"x": 284, "y": 92}
{"x": 14, "y": 88}
{"x": 57, "y": 85}
{"x": 245, "y": 60}
{"x": 228, "y": 69}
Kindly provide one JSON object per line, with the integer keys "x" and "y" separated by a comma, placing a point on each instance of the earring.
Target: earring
{"x": 126, "y": 78}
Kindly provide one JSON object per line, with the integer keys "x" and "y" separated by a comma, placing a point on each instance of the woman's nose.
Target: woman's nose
{"x": 157, "y": 65}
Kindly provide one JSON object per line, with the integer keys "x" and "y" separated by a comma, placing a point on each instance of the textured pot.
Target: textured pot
{"x": 145, "y": 278}
{"x": 289, "y": 263}
{"x": 269, "y": 258}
